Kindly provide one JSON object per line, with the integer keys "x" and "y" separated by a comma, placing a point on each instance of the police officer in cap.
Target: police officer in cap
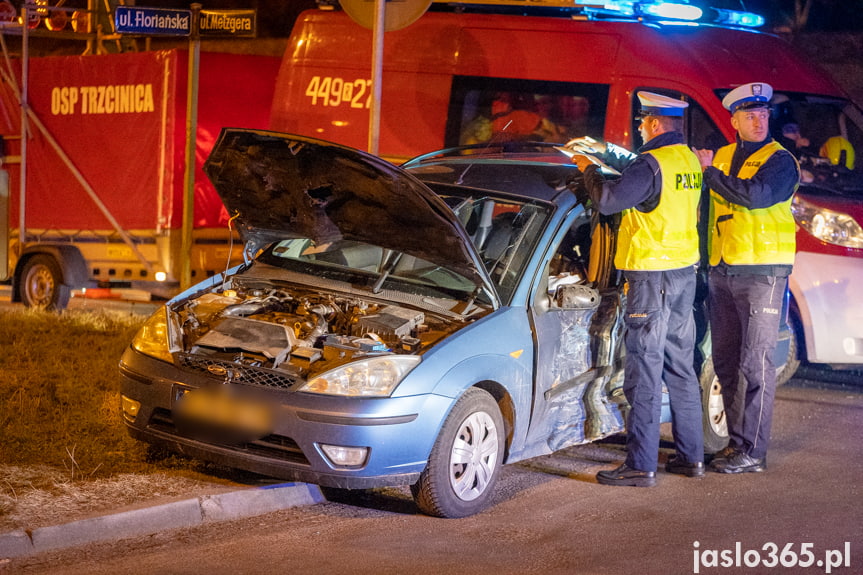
{"x": 657, "y": 196}
{"x": 751, "y": 249}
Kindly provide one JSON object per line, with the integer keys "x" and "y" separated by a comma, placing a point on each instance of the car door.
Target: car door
{"x": 578, "y": 321}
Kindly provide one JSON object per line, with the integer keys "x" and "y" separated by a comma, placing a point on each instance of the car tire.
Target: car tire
{"x": 465, "y": 460}
{"x": 713, "y": 410}
{"x": 42, "y": 284}
{"x": 792, "y": 362}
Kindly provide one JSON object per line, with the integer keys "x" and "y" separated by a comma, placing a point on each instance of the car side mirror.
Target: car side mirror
{"x": 576, "y": 296}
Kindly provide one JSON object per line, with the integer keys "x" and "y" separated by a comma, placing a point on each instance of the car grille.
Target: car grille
{"x": 227, "y": 371}
{"x": 272, "y": 446}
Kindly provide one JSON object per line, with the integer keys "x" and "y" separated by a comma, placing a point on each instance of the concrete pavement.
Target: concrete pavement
{"x": 150, "y": 520}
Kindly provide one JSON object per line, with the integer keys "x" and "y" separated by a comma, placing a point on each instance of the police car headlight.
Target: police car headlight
{"x": 152, "y": 338}
{"x": 373, "y": 377}
{"x": 835, "y": 228}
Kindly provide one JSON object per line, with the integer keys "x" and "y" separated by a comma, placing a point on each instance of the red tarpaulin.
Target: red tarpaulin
{"x": 121, "y": 119}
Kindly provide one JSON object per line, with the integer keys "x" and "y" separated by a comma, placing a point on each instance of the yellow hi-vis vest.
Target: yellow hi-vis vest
{"x": 665, "y": 238}
{"x": 740, "y": 236}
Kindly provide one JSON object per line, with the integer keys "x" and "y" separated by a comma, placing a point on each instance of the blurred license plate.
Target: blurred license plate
{"x": 222, "y": 410}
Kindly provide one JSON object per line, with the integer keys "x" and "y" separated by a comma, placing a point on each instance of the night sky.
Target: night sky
{"x": 824, "y": 15}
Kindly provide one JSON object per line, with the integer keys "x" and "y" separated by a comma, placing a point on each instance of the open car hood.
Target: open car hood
{"x": 282, "y": 186}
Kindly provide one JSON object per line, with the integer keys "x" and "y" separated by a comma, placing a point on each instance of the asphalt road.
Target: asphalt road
{"x": 550, "y": 516}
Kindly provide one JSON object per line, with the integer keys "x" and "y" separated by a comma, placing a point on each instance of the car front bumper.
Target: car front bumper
{"x": 398, "y": 432}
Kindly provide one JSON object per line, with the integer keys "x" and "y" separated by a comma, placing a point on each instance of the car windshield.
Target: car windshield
{"x": 372, "y": 266}
{"x": 503, "y": 233}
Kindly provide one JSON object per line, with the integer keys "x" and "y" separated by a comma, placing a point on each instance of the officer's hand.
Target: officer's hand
{"x": 587, "y": 145}
{"x": 593, "y": 181}
{"x": 582, "y": 161}
{"x": 705, "y": 157}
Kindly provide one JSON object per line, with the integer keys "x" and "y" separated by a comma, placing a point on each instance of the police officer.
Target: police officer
{"x": 751, "y": 249}
{"x": 657, "y": 195}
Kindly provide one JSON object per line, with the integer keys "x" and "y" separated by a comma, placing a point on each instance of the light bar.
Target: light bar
{"x": 672, "y": 11}
{"x": 608, "y": 7}
{"x": 737, "y": 18}
{"x": 678, "y": 11}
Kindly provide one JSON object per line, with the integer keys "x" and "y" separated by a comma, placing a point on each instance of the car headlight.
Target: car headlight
{"x": 826, "y": 225}
{"x": 373, "y": 377}
{"x": 152, "y": 338}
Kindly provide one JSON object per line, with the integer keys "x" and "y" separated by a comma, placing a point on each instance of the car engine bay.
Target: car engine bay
{"x": 298, "y": 332}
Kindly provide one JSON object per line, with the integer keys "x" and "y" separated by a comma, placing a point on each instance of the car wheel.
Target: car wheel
{"x": 713, "y": 410}
{"x": 42, "y": 284}
{"x": 792, "y": 362}
{"x": 465, "y": 460}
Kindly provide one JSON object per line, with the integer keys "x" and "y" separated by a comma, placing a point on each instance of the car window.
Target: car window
{"x": 585, "y": 254}
{"x": 504, "y": 234}
{"x": 701, "y": 131}
{"x": 804, "y": 123}
{"x": 570, "y": 262}
{"x": 497, "y": 110}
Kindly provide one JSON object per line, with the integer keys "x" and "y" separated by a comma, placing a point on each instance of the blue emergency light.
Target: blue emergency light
{"x": 680, "y": 11}
{"x": 737, "y": 18}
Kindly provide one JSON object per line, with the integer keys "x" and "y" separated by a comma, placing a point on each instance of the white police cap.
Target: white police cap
{"x": 754, "y": 95}
{"x": 659, "y": 105}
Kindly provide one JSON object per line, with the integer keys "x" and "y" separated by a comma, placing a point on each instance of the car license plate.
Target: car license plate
{"x": 221, "y": 416}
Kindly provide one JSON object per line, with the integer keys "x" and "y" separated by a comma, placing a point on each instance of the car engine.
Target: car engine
{"x": 298, "y": 332}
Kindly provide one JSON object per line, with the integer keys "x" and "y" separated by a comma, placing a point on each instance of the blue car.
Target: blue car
{"x": 418, "y": 325}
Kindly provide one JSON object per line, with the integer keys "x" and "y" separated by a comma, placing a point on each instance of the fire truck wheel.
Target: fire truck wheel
{"x": 42, "y": 284}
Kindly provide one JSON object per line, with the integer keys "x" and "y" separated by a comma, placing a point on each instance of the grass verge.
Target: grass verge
{"x": 63, "y": 446}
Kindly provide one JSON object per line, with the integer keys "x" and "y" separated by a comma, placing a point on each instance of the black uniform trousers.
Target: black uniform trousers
{"x": 660, "y": 342}
{"x": 745, "y": 311}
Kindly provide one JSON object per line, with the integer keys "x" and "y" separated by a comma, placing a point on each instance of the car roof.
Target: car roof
{"x": 528, "y": 170}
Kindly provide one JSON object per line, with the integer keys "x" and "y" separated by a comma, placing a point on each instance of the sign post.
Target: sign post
{"x": 193, "y": 23}
{"x": 375, "y": 15}
{"x": 191, "y": 144}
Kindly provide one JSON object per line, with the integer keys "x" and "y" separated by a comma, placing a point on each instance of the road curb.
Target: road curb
{"x": 149, "y": 520}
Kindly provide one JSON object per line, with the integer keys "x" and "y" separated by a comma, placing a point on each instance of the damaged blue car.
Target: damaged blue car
{"x": 418, "y": 325}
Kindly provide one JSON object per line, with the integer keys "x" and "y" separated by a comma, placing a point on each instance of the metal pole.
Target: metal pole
{"x": 377, "y": 73}
{"x": 25, "y": 71}
{"x": 191, "y": 141}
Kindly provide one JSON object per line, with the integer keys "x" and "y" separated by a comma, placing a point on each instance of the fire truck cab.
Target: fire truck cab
{"x": 479, "y": 71}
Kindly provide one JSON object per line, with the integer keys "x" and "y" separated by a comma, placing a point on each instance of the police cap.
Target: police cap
{"x": 747, "y": 96}
{"x": 659, "y": 105}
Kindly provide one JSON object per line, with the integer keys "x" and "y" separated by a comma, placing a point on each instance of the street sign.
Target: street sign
{"x": 230, "y": 23}
{"x": 152, "y": 21}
